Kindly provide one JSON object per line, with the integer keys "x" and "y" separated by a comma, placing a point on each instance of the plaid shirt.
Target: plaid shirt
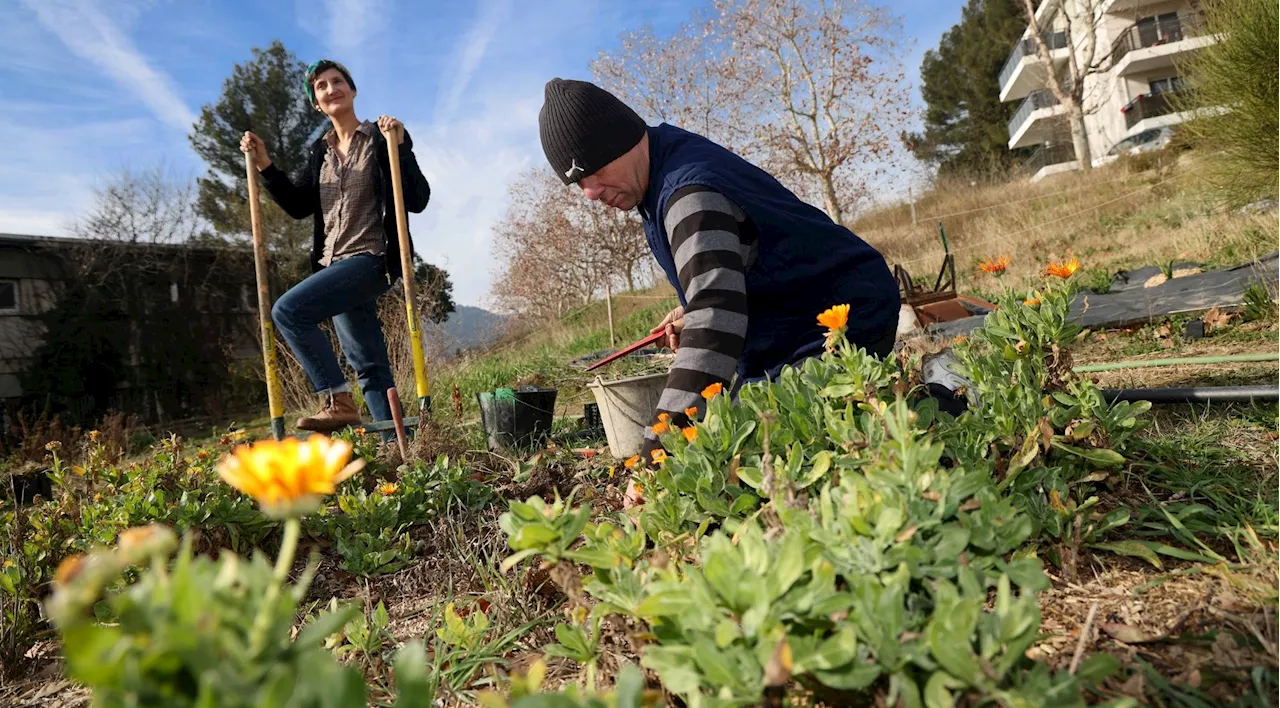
{"x": 352, "y": 221}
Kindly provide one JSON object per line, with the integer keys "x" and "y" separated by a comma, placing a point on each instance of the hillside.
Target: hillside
{"x": 470, "y": 327}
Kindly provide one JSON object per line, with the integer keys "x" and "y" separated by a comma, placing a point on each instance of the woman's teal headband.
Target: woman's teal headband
{"x": 324, "y": 65}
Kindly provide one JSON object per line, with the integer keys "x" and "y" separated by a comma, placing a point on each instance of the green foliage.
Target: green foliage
{"x": 184, "y": 635}
{"x": 833, "y": 529}
{"x": 1259, "y": 304}
{"x": 966, "y": 126}
{"x": 1237, "y": 73}
{"x": 264, "y": 95}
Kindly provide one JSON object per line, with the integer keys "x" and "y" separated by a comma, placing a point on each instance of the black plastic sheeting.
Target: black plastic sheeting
{"x": 1129, "y": 303}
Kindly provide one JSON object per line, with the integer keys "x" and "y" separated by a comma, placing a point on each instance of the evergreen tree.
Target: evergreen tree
{"x": 265, "y": 95}
{"x": 966, "y": 125}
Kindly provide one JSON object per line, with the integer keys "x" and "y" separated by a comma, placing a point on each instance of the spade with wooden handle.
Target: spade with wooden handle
{"x": 275, "y": 402}
{"x": 406, "y": 268}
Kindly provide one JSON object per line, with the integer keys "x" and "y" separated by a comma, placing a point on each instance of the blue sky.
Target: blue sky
{"x": 91, "y": 87}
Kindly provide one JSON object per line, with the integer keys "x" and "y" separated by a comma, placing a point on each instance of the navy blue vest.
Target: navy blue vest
{"x": 806, "y": 262}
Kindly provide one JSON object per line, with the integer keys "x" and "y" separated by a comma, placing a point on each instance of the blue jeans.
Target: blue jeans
{"x": 346, "y": 292}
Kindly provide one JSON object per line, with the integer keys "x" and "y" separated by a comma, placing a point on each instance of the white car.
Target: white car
{"x": 1146, "y": 141}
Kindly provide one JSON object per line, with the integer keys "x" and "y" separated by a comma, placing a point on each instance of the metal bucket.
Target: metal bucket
{"x": 626, "y": 409}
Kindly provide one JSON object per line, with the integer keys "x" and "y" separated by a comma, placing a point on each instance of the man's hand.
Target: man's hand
{"x": 387, "y": 124}
{"x": 633, "y": 497}
{"x": 253, "y": 145}
{"x": 673, "y": 323}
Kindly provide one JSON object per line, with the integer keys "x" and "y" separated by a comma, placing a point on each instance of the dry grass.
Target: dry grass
{"x": 1126, "y": 214}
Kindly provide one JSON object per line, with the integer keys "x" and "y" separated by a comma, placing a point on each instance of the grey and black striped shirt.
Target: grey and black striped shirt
{"x": 713, "y": 243}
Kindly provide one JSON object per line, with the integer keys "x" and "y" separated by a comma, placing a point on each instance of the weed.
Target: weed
{"x": 1259, "y": 304}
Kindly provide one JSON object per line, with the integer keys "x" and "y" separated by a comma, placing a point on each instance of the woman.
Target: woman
{"x": 355, "y": 251}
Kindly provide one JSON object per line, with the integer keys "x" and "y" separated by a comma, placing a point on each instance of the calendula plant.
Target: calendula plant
{"x": 833, "y": 529}
{"x": 199, "y": 632}
{"x": 1054, "y": 441}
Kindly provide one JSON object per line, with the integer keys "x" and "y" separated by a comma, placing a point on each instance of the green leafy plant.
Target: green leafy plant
{"x": 834, "y": 530}
{"x": 1259, "y": 304}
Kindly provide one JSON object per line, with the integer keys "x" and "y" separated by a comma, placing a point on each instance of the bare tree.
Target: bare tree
{"x": 559, "y": 250}
{"x": 809, "y": 89}
{"x": 822, "y": 96}
{"x": 679, "y": 83}
{"x": 1080, "y": 19}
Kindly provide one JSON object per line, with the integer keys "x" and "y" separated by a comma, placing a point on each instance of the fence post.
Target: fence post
{"x": 608, "y": 306}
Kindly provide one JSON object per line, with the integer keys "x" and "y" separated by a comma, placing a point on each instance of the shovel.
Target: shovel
{"x": 415, "y": 337}
{"x": 274, "y": 399}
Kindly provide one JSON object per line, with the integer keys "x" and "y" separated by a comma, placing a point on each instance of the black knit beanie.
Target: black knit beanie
{"x": 583, "y": 128}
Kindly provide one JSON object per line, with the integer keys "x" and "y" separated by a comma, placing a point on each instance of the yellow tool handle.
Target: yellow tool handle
{"x": 406, "y": 266}
{"x": 274, "y": 398}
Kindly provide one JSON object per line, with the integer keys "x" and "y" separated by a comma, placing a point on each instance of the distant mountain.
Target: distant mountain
{"x": 470, "y": 327}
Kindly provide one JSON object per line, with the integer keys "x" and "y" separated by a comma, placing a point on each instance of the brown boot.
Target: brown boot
{"x": 338, "y": 412}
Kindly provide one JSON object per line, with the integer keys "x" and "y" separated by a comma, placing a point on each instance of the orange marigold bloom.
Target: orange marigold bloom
{"x": 1062, "y": 270}
{"x": 68, "y": 569}
{"x": 660, "y": 428}
{"x": 691, "y": 411}
{"x": 288, "y": 477}
{"x": 659, "y": 456}
{"x": 664, "y": 417}
{"x": 631, "y": 462}
{"x": 994, "y": 266}
{"x": 1031, "y": 302}
{"x": 712, "y": 391}
{"x": 388, "y": 488}
{"x": 835, "y": 318}
{"x": 690, "y": 433}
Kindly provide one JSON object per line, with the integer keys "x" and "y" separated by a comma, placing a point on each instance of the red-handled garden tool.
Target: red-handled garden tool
{"x": 651, "y": 339}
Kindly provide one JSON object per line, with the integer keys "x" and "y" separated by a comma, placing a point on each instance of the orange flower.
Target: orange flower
{"x": 660, "y": 428}
{"x": 659, "y": 456}
{"x": 994, "y": 266}
{"x": 288, "y": 477}
{"x": 691, "y": 412}
{"x": 712, "y": 391}
{"x": 388, "y": 488}
{"x": 664, "y": 417}
{"x": 1031, "y": 302}
{"x": 835, "y": 318}
{"x": 68, "y": 569}
{"x": 631, "y": 462}
{"x": 959, "y": 339}
{"x": 1062, "y": 270}
{"x": 690, "y": 433}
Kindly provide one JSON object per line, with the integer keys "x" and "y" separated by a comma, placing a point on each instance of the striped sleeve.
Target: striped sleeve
{"x": 711, "y": 241}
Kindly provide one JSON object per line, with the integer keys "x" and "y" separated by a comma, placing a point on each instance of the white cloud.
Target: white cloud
{"x": 470, "y": 52}
{"x": 353, "y": 23}
{"x": 90, "y": 35}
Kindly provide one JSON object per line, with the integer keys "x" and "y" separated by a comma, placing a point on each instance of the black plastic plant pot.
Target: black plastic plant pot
{"x": 517, "y": 419}
{"x": 26, "y": 487}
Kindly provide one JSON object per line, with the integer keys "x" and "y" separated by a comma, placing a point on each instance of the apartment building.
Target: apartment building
{"x": 1139, "y": 45}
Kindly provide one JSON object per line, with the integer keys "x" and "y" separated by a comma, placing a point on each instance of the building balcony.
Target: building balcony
{"x": 1116, "y": 7}
{"x": 1024, "y": 72}
{"x": 1049, "y": 160}
{"x": 1036, "y": 120}
{"x": 1152, "y": 110}
{"x": 1154, "y": 44}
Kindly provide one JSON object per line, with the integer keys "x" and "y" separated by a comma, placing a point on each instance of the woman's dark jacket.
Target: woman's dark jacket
{"x": 301, "y": 199}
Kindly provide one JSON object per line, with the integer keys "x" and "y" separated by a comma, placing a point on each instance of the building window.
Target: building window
{"x": 1173, "y": 83}
{"x": 8, "y": 296}
{"x": 1159, "y": 29}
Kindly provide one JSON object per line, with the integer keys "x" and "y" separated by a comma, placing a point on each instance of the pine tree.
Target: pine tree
{"x": 966, "y": 125}
{"x": 265, "y": 95}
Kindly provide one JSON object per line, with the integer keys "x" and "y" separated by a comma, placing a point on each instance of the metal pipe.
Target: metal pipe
{"x": 1195, "y": 394}
{"x": 1220, "y": 359}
